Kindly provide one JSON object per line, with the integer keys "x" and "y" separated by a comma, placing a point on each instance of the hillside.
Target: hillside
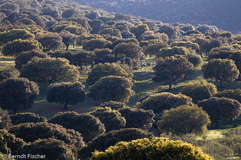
{"x": 221, "y": 13}
{"x": 76, "y": 79}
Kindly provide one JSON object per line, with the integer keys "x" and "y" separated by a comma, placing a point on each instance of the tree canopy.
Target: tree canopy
{"x": 112, "y": 88}
{"x": 184, "y": 119}
{"x": 221, "y": 108}
{"x": 222, "y": 70}
{"x": 172, "y": 69}
{"x": 106, "y": 69}
{"x": 88, "y": 125}
{"x": 162, "y": 101}
{"x": 17, "y": 93}
{"x": 66, "y": 93}
{"x": 50, "y": 70}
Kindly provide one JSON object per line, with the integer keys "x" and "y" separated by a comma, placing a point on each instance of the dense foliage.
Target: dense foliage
{"x": 151, "y": 149}
{"x": 30, "y": 132}
{"x": 111, "y": 138}
{"x": 199, "y": 90}
{"x": 17, "y": 93}
{"x": 88, "y": 125}
{"x": 112, "y": 119}
{"x": 184, "y": 119}
{"x": 162, "y": 101}
{"x": 26, "y": 117}
{"x": 66, "y": 93}
{"x": 112, "y": 88}
{"x": 221, "y": 108}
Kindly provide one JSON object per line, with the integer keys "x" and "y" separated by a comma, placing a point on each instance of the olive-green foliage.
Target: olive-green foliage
{"x": 154, "y": 47}
{"x": 50, "y": 70}
{"x": 139, "y": 30}
{"x": 83, "y": 21}
{"x": 199, "y": 90}
{"x": 111, "y": 31}
{"x": 17, "y": 93}
{"x": 26, "y": 117}
{"x": 67, "y": 38}
{"x": 113, "y": 105}
{"x": 222, "y": 70}
{"x": 221, "y": 108}
{"x": 93, "y": 44}
{"x": 5, "y": 121}
{"x": 14, "y": 48}
{"x": 14, "y": 34}
{"x": 138, "y": 118}
{"x": 129, "y": 49}
{"x": 220, "y": 53}
{"x": 104, "y": 55}
{"x": 49, "y": 40}
{"x": 88, "y": 125}
{"x": 184, "y": 119}
{"x": 187, "y": 44}
{"x": 171, "y": 51}
{"x": 162, "y": 101}
{"x": 172, "y": 69}
{"x": 24, "y": 57}
{"x": 126, "y": 40}
{"x": 230, "y": 93}
{"x": 195, "y": 59}
{"x": 112, "y": 88}
{"x": 52, "y": 148}
{"x": 236, "y": 57}
{"x": 78, "y": 58}
{"x": 106, "y": 140}
{"x": 30, "y": 132}
{"x": 157, "y": 148}
{"x": 66, "y": 93}
{"x": 112, "y": 119}
{"x": 9, "y": 143}
{"x": 106, "y": 69}
{"x": 70, "y": 26}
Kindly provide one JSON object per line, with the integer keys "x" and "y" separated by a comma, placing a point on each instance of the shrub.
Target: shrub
{"x": 157, "y": 148}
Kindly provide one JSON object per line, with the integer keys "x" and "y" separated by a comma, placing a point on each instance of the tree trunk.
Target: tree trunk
{"x": 65, "y": 105}
{"x": 67, "y": 47}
